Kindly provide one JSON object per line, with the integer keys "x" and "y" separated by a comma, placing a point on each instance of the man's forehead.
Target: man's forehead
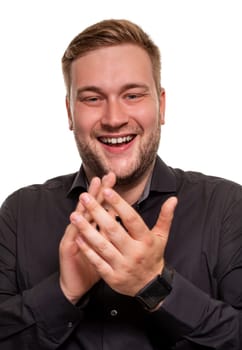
{"x": 120, "y": 65}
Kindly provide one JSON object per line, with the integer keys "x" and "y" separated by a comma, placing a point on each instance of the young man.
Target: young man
{"x": 127, "y": 253}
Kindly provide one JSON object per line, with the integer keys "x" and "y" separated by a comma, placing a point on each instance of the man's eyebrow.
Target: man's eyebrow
{"x": 134, "y": 86}
{"x": 89, "y": 88}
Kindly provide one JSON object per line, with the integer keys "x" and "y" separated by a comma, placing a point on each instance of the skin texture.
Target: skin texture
{"x": 113, "y": 96}
{"x": 77, "y": 274}
{"x": 125, "y": 261}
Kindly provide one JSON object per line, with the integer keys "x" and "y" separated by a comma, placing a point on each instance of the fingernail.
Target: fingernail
{"x": 75, "y": 217}
{"x": 85, "y": 198}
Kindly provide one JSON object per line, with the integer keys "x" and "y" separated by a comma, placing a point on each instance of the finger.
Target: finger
{"x": 94, "y": 188}
{"x": 131, "y": 220}
{"x": 163, "y": 224}
{"x": 100, "y": 265}
{"x": 68, "y": 246}
{"x": 93, "y": 239}
{"x": 70, "y": 233}
{"x": 107, "y": 181}
{"x": 106, "y": 221}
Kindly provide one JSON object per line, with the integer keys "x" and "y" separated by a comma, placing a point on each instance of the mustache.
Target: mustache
{"x": 118, "y": 129}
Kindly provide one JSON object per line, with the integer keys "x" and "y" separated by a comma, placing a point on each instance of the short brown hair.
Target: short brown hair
{"x": 110, "y": 33}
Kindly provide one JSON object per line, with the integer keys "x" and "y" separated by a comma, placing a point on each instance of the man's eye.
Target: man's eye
{"x": 132, "y": 96}
{"x": 90, "y": 99}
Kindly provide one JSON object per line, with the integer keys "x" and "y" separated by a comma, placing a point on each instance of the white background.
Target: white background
{"x": 201, "y": 45}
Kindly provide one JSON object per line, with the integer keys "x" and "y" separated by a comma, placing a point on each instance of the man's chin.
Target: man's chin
{"x": 129, "y": 179}
{"x": 124, "y": 180}
{"x": 127, "y": 173}
{"x": 133, "y": 173}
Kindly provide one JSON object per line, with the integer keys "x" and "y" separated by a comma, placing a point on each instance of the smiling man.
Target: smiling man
{"x": 127, "y": 253}
{"x": 116, "y": 111}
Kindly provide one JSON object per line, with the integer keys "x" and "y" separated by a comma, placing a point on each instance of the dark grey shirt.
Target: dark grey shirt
{"x": 203, "y": 310}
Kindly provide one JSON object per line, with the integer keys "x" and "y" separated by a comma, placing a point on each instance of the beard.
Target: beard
{"x": 140, "y": 166}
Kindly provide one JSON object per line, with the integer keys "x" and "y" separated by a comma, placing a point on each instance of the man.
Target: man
{"x": 127, "y": 253}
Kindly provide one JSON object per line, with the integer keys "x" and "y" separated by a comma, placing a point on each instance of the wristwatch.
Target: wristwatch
{"x": 156, "y": 290}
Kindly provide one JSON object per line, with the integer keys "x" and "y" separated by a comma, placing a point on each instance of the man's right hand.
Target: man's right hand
{"x": 77, "y": 275}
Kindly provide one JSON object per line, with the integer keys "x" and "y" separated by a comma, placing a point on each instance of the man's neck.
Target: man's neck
{"x": 131, "y": 193}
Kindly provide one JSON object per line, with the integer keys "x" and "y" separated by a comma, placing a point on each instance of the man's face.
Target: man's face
{"x": 115, "y": 112}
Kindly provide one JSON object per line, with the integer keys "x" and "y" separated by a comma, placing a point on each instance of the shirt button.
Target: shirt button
{"x": 113, "y": 312}
{"x": 70, "y": 325}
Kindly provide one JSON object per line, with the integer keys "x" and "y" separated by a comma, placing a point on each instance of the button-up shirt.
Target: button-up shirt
{"x": 203, "y": 310}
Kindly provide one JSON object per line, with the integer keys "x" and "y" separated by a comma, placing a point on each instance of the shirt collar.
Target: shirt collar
{"x": 80, "y": 183}
{"x": 162, "y": 180}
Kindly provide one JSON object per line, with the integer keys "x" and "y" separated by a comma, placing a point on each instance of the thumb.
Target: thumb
{"x": 164, "y": 221}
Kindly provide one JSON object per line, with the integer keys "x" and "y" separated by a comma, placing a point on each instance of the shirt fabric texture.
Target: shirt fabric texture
{"x": 203, "y": 310}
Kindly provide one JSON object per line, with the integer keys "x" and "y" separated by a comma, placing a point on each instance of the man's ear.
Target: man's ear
{"x": 68, "y": 109}
{"x": 162, "y": 106}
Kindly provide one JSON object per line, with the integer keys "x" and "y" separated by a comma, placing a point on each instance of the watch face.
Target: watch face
{"x": 156, "y": 291}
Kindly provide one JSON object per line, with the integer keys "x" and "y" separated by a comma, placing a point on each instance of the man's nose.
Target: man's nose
{"x": 114, "y": 115}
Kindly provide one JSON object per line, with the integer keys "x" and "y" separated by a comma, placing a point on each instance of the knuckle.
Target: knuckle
{"x": 111, "y": 227}
{"x": 139, "y": 258}
{"x": 129, "y": 219}
{"x": 103, "y": 246}
{"x": 93, "y": 205}
{"x": 149, "y": 241}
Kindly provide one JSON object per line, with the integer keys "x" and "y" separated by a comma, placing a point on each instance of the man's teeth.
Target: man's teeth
{"x": 116, "y": 140}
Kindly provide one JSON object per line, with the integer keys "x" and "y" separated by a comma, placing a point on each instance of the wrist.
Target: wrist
{"x": 71, "y": 297}
{"x": 153, "y": 293}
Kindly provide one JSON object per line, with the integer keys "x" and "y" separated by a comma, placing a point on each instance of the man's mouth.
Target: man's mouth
{"x": 116, "y": 141}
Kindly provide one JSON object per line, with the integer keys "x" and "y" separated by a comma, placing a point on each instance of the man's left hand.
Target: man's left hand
{"x": 126, "y": 257}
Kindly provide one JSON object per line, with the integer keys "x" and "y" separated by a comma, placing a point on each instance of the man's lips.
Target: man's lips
{"x": 116, "y": 141}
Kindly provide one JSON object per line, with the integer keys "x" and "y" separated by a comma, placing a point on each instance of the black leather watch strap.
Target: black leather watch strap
{"x": 156, "y": 290}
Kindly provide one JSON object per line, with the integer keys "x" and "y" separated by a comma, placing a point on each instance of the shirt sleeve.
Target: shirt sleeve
{"x": 28, "y": 317}
{"x": 191, "y": 316}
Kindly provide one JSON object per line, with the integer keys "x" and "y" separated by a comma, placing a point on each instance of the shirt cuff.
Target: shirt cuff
{"x": 182, "y": 311}
{"x": 53, "y": 313}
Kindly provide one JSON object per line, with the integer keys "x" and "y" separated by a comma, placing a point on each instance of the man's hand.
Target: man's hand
{"x": 126, "y": 258}
{"x": 77, "y": 274}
